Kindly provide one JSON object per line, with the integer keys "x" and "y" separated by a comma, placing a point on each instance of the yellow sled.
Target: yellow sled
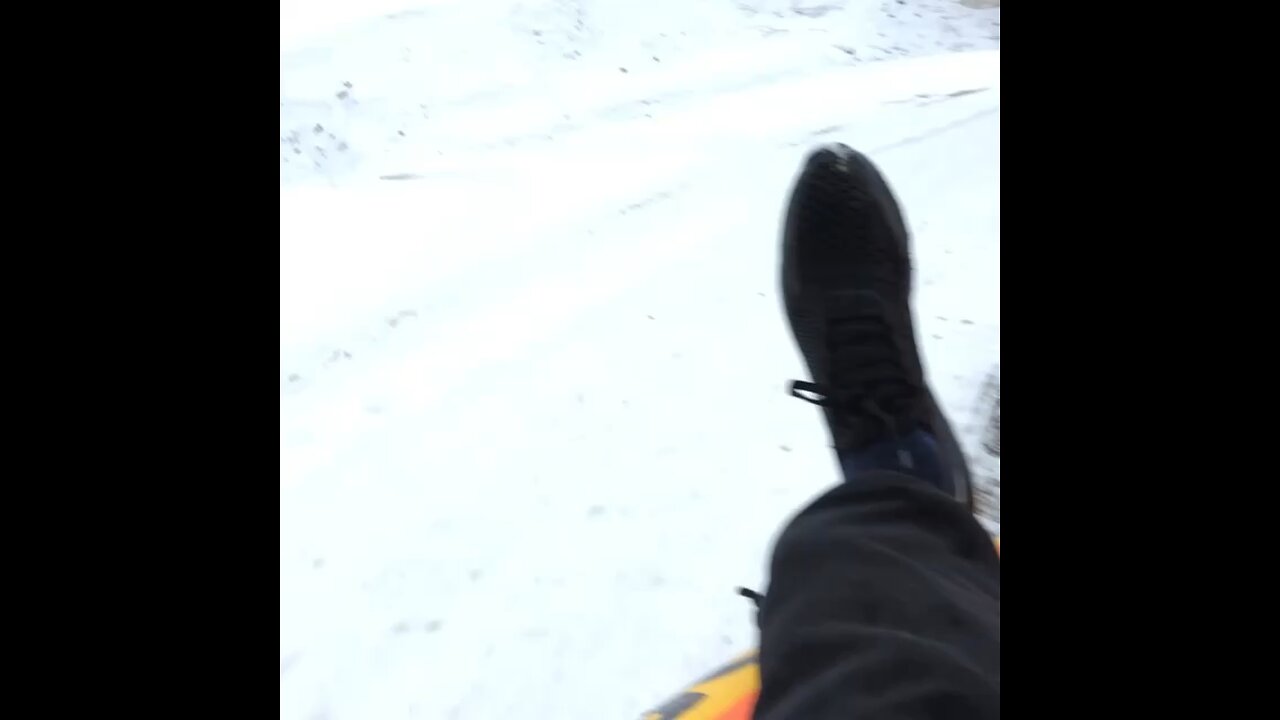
{"x": 727, "y": 694}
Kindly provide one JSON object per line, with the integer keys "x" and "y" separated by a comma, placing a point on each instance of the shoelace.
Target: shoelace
{"x": 864, "y": 352}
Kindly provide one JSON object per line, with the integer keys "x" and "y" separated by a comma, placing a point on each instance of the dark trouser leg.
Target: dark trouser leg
{"x": 884, "y": 602}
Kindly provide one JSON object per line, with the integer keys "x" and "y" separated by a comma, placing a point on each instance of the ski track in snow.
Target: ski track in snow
{"x": 534, "y": 426}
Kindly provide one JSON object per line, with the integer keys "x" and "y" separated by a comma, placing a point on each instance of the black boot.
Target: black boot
{"x": 846, "y": 281}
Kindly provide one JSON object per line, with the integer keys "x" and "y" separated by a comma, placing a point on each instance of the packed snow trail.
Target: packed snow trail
{"x": 534, "y": 427}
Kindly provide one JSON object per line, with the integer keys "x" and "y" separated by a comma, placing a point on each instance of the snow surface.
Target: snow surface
{"x": 533, "y": 420}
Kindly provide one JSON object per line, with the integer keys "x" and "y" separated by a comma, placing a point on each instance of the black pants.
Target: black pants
{"x": 883, "y": 602}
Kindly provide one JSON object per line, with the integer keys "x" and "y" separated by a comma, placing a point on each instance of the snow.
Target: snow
{"x": 533, "y": 419}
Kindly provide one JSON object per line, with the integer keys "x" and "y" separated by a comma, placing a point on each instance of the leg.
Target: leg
{"x": 884, "y": 596}
{"x": 883, "y": 602}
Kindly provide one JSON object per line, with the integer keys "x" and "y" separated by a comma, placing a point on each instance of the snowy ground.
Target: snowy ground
{"x": 533, "y": 422}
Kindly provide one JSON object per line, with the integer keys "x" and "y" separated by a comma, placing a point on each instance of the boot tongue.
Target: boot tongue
{"x": 852, "y": 304}
{"x": 866, "y": 362}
